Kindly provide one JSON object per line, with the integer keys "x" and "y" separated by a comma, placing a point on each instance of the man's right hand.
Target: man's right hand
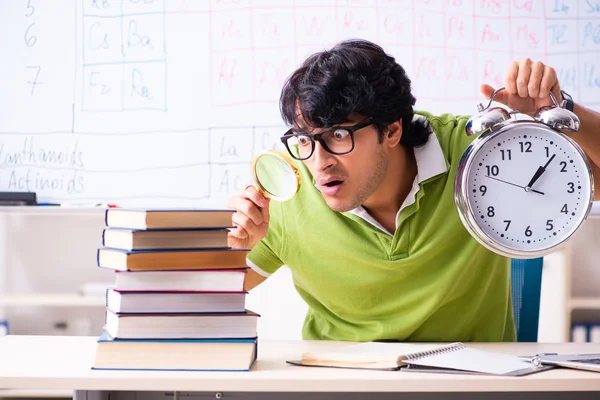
{"x": 251, "y": 220}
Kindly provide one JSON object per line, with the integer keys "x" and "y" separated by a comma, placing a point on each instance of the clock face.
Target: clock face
{"x": 527, "y": 189}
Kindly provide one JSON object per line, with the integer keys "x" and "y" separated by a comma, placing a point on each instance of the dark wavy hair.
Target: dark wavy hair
{"x": 355, "y": 76}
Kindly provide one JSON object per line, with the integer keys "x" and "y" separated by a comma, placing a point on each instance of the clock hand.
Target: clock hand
{"x": 514, "y": 184}
{"x": 538, "y": 173}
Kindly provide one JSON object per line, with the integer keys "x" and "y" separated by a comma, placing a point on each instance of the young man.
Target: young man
{"x": 373, "y": 238}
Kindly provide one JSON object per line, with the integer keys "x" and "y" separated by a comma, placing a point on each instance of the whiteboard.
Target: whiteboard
{"x": 165, "y": 102}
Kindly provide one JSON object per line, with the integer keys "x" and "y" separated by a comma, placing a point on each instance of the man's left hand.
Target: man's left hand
{"x": 527, "y": 87}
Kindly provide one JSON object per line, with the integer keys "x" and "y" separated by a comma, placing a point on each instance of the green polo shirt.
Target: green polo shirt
{"x": 427, "y": 281}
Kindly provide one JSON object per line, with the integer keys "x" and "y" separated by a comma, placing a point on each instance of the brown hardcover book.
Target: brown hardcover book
{"x": 128, "y": 239}
{"x": 152, "y": 260}
{"x": 175, "y": 355}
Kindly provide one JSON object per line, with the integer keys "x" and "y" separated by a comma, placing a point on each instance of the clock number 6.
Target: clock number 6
{"x": 528, "y": 232}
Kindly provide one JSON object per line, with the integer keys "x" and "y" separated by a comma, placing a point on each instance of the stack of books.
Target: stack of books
{"x": 178, "y": 302}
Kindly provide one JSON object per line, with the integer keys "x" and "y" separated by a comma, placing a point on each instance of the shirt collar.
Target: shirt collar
{"x": 431, "y": 162}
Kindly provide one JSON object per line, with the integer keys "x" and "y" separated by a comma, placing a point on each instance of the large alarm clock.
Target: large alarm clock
{"x": 523, "y": 187}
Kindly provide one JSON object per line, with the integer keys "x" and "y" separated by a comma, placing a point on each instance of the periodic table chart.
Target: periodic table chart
{"x": 165, "y": 102}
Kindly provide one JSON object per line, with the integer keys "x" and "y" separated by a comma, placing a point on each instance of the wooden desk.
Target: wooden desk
{"x": 62, "y": 362}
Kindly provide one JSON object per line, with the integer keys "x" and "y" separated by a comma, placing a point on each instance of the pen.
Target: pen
{"x": 78, "y": 205}
{"x": 88, "y": 205}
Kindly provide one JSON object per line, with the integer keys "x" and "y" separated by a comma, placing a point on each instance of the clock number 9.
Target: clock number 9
{"x": 483, "y": 190}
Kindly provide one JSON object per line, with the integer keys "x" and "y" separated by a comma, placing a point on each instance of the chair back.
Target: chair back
{"x": 526, "y": 286}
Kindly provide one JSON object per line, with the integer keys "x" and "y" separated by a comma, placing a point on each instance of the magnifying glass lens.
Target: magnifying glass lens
{"x": 275, "y": 176}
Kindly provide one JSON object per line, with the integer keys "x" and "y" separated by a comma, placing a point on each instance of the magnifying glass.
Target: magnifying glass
{"x": 275, "y": 176}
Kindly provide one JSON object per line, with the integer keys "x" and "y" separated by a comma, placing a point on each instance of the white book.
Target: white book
{"x": 182, "y": 326}
{"x": 174, "y": 302}
{"x": 225, "y": 280}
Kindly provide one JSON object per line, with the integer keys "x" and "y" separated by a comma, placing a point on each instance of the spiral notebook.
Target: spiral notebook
{"x": 449, "y": 358}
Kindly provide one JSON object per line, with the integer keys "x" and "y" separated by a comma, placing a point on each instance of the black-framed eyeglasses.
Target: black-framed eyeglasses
{"x": 338, "y": 140}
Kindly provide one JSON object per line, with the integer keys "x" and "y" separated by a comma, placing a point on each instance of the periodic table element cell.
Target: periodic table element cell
{"x": 230, "y": 30}
{"x": 230, "y": 5}
{"x": 492, "y": 8}
{"x": 131, "y": 7}
{"x": 462, "y": 7}
{"x": 528, "y": 35}
{"x": 528, "y": 8}
{"x": 271, "y": 69}
{"x": 395, "y": 26}
{"x": 589, "y": 34}
{"x": 459, "y": 73}
{"x": 268, "y": 138}
{"x": 227, "y": 180}
{"x": 144, "y": 86}
{"x": 429, "y": 29}
{"x": 316, "y": 28}
{"x": 561, "y": 9}
{"x": 102, "y": 88}
{"x": 492, "y": 34}
{"x": 101, "y": 40}
{"x": 357, "y": 21}
{"x": 231, "y": 78}
{"x": 588, "y": 9}
{"x": 567, "y": 71}
{"x": 102, "y": 8}
{"x": 490, "y": 67}
{"x": 230, "y": 145}
{"x": 561, "y": 36}
{"x": 458, "y": 30}
{"x": 272, "y": 28}
{"x": 429, "y": 74}
{"x": 589, "y": 64}
{"x": 143, "y": 37}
